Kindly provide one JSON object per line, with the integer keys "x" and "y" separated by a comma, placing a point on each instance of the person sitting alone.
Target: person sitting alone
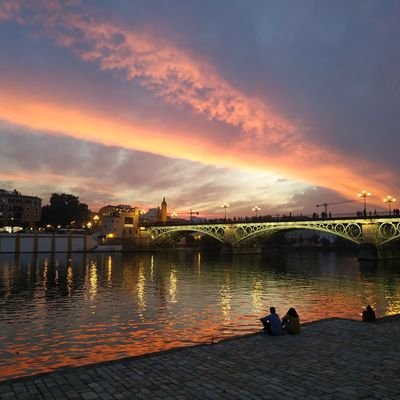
{"x": 291, "y": 322}
{"x": 368, "y": 314}
{"x": 272, "y": 323}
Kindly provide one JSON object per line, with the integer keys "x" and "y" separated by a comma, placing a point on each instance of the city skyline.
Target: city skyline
{"x": 270, "y": 104}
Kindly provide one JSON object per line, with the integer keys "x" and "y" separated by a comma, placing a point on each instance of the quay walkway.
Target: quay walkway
{"x": 330, "y": 359}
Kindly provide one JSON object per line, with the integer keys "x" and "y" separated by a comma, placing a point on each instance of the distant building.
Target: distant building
{"x": 120, "y": 225}
{"x": 122, "y": 221}
{"x": 151, "y": 216}
{"x": 163, "y": 216}
{"x": 154, "y": 215}
{"x": 19, "y": 210}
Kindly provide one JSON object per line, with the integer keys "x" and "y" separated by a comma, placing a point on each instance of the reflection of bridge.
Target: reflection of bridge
{"x": 376, "y": 237}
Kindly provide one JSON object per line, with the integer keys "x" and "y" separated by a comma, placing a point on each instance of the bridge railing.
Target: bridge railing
{"x": 277, "y": 218}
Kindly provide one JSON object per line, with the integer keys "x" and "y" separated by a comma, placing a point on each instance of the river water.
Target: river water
{"x": 57, "y": 311}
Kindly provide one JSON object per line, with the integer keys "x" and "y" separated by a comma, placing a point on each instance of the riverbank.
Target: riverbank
{"x": 330, "y": 359}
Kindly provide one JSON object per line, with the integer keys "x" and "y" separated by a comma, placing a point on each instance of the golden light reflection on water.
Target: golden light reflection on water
{"x": 393, "y": 308}
{"x": 152, "y": 267}
{"x": 45, "y": 272}
{"x": 172, "y": 285}
{"x": 70, "y": 278}
{"x": 140, "y": 287}
{"x": 257, "y": 294}
{"x": 92, "y": 280}
{"x": 225, "y": 302}
{"x": 109, "y": 271}
{"x": 147, "y": 312}
{"x": 199, "y": 263}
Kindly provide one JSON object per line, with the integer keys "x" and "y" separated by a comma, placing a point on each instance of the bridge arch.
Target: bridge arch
{"x": 348, "y": 231}
{"x": 160, "y": 233}
{"x": 388, "y": 232}
{"x": 375, "y": 236}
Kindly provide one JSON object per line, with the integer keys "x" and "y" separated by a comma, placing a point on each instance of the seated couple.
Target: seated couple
{"x": 274, "y": 326}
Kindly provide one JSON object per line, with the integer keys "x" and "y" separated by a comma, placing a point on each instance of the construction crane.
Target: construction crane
{"x": 325, "y": 205}
{"x": 190, "y": 213}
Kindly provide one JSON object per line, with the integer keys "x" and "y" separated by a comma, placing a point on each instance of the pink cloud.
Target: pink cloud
{"x": 158, "y": 66}
{"x": 267, "y": 139}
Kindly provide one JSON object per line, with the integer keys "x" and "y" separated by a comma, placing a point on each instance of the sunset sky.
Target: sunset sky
{"x": 281, "y": 104}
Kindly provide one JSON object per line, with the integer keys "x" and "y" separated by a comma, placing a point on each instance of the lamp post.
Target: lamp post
{"x": 95, "y": 223}
{"x": 256, "y": 209}
{"x": 389, "y": 199}
{"x": 364, "y": 194}
{"x": 141, "y": 213}
{"x": 225, "y": 206}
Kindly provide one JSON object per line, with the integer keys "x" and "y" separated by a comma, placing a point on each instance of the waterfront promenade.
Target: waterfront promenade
{"x": 330, "y": 359}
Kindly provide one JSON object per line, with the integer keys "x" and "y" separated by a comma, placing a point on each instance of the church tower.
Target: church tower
{"x": 164, "y": 211}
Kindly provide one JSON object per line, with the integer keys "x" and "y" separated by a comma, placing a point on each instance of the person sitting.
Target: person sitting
{"x": 291, "y": 321}
{"x": 368, "y": 314}
{"x": 272, "y": 323}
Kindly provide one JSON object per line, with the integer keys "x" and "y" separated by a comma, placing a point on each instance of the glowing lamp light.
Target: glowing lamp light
{"x": 364, "y": 194}
{"x": 225, "y": 206}
{"x": 389, "y": 199}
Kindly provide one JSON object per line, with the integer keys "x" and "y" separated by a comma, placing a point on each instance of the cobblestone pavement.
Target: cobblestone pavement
{"x": 330, "y": 359}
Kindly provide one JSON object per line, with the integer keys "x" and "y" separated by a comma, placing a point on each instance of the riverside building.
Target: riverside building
{"x": 18, "y": 210}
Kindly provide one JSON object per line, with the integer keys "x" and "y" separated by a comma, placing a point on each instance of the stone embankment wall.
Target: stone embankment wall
{"x": 45, "y": 243}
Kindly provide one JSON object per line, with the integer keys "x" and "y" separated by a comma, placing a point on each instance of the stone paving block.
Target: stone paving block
{"x": 7, "y": 395}
{"x": 89, "y": 395}
{"x": 105, "y": 396}
{"x": 72, "y": 394}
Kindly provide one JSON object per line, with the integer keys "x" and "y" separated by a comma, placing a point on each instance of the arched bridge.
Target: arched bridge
{"x": 374, "y": 234}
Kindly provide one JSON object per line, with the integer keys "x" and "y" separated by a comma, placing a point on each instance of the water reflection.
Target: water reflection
{"x": 109, "y": 271}
{"x": 71, "y": 310}
{"x": 70, "y": 277}
{"x": 257, "y": 294}
{"x": 92, "y": 280}
{"x": 141, "y": 289}
{"x": 226, "y": 302}
{"x": 172, "y": 285}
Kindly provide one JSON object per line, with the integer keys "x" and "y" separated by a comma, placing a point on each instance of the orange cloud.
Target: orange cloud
{"x": 267, "y": 141}
{"x": 63, "y": 120}
{"x": 158, "y": 66}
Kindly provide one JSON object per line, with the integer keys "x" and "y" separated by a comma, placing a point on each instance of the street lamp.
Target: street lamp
{"x": 364, "y": 194}
{"x": 389, "y": 199}
{"x": 225, "y": 205}
{"x": 256, "y": 209}
{"x": 141, "y": 213}
{"x": 95, "y": 222}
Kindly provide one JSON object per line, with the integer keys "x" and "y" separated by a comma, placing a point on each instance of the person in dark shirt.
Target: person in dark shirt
{"x": 368, "y": 314}
{"x": 272, "y": 323}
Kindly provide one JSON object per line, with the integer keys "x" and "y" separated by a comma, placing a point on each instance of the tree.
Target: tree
{"x": 65, "y": 210}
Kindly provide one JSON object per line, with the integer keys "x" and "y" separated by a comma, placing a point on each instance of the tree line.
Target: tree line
{"x": 65, "y": 210}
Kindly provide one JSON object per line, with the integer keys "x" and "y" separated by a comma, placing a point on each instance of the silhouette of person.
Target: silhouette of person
{"x": 368, "y": 314}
